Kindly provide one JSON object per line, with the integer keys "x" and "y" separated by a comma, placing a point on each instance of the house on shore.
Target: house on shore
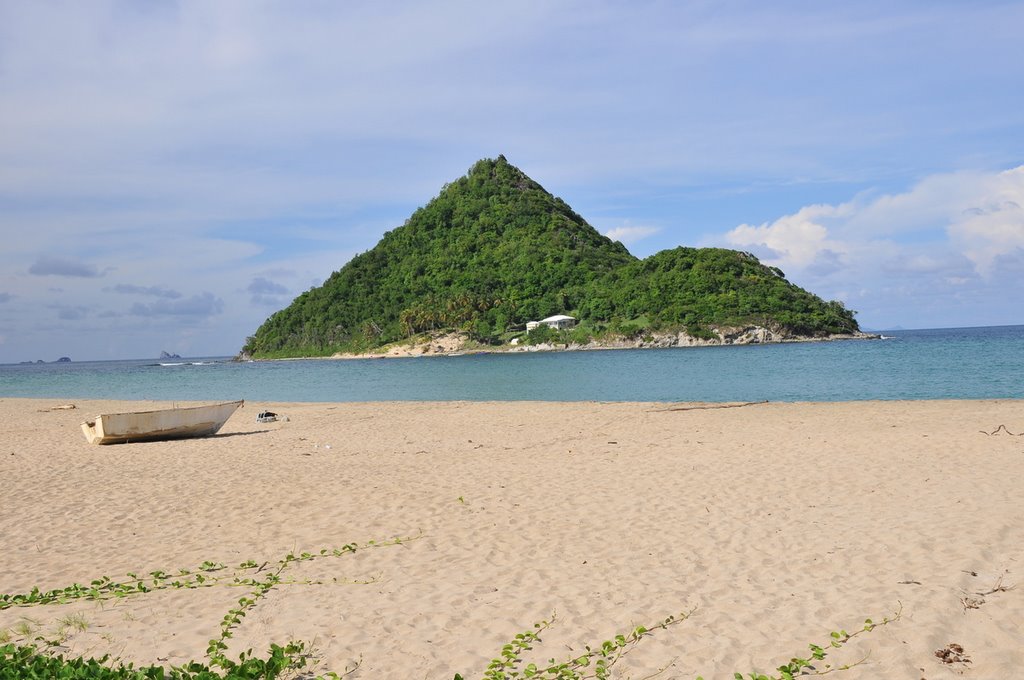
{"x": 558, "y": 322}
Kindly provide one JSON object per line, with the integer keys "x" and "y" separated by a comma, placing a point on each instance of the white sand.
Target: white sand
{"x": 777, "y": 522}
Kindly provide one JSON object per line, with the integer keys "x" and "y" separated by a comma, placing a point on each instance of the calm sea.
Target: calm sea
{"x": 957, "y": 363}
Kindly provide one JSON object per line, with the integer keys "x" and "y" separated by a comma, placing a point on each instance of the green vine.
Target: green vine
{"x": 509, "y": 665}
{"x": 217, "y": 647}
{"x": 597, "y": 661}
{"x": 104, "y": 588}
{"x": 806, "y": 665}
{"x": 28, "y": 662}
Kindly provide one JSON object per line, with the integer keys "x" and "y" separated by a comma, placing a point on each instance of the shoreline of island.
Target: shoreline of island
{"x": 453, "y": 343}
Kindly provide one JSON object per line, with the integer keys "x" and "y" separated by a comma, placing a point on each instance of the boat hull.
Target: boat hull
{"x": 143, "y": 426}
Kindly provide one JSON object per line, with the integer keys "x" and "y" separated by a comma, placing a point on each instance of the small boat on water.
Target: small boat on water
{"x": 146, "y": 426}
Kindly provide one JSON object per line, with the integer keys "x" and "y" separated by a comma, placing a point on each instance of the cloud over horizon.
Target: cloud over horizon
{"x": 267, "y": 293}
{"x": 198, "y": 306}
{"x": 47, "y": 265}
{"x": 154, "y": 291}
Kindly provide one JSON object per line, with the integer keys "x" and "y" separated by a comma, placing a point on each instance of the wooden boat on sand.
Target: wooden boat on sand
{"x": 173, "y": 423}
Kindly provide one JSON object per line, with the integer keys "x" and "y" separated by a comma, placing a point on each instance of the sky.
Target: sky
{"x": 172, "y": 173}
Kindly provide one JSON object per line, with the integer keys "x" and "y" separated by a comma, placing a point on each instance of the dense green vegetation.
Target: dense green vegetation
{"x": 494, "y": 250}
{"x": 30, "y": 663}
{"x": 696, "y": 287}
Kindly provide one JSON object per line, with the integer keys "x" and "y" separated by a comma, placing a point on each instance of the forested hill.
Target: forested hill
{"x": 494, "y": 250}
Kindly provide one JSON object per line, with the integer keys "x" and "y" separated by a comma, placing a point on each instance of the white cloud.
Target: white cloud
{"x": 792, "y": 241}
{"x": 628, "y": 235}
{"x": 980, "y": 213}
{"x": 991, "y": 227}
{"x": 951, "y": 235}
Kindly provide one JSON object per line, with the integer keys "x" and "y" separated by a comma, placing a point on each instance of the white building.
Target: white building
{"x": 558, "y": 322}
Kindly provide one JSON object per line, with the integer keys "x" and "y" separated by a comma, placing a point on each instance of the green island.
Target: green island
{"x": 495, "y": 251}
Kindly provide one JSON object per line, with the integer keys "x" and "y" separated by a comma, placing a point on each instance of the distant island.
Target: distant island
{"x": 494, "y": 257}
{"x": 168, "y": 355}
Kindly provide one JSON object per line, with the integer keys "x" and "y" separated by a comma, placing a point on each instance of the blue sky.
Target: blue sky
{"x": 171, "y": 173}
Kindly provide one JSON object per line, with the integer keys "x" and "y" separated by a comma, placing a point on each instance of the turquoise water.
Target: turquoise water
{"x": 964, "y": 363}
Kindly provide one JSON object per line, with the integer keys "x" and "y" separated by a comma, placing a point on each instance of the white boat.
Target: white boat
{"x": 173, "y": 423}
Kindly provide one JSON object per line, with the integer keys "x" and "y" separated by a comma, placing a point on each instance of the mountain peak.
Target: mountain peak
{"x": 501, "y": 173}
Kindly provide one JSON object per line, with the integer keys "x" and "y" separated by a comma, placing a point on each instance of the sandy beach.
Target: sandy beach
{"x": 774, "y": 524}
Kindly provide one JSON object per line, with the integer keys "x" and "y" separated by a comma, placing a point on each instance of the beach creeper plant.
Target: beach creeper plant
{"x": 218, "y": 646}
{"x": 104, "y": 588}
{"x": 31, "y": 662}
{"x": 798, "y": 666}
{"x": 597, "y": 661}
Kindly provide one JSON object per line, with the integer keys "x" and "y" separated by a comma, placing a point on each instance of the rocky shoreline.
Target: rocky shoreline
{"x": 458, "y": 344}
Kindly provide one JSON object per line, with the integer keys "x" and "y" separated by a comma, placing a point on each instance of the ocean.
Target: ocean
{"x": 949, "y": 363}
